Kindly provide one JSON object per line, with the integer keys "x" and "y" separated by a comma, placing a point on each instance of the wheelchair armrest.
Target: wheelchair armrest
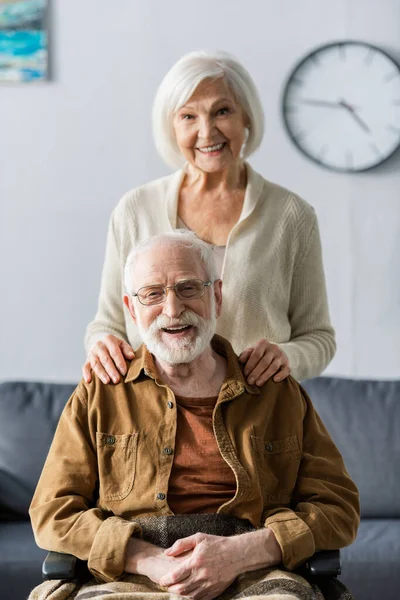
{"x": 59, "y": 566}
{"x": 56, "y": 565}
{"x": 325, "y": 563}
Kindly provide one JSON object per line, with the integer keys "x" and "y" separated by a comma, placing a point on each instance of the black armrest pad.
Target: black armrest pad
{"x": 64, "y": 566}
{"x": 59, "y": 566}
{"x": 325, "y": 563}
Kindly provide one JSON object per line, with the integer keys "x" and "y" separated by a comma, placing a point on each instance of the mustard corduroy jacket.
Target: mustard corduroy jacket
{"x": 112, "y": 454}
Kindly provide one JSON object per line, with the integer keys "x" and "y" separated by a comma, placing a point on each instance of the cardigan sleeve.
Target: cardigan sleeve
{"x": 110, "y": 318}
{"x": 312, "y": 343}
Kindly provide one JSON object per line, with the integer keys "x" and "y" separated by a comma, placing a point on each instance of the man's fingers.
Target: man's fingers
{"x": 204, "y": 596}
{"x": 181, "y": 546}
{"x": 185, "y": 589}
{"x": 176, "y": 576}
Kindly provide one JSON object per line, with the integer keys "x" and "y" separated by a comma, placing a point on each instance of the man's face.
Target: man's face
{"x": 176, "y": 330}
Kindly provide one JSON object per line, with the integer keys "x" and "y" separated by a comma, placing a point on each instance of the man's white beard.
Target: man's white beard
{"x": 179, "y": 350}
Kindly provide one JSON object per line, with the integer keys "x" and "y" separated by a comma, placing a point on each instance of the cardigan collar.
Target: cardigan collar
{"x": 255, "y": 184}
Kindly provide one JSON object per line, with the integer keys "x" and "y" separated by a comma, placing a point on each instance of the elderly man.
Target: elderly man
{"x": 183, "y": 479}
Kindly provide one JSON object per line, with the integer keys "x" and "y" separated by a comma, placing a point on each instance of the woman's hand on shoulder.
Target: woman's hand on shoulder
{"x": 264, "y": 360}
{"x": 107, "y": 359}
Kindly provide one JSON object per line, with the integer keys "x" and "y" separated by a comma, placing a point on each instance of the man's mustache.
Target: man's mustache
{"x": 186, "y": 318}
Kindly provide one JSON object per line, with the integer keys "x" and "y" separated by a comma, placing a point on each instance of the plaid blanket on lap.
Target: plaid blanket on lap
{"x": 268, "y": 584}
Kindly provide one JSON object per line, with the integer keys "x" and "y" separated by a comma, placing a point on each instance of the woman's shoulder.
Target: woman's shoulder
{"x": 289, "y": 201}
{"x": 284, "y": 200}
{"x": 153, "y": 190}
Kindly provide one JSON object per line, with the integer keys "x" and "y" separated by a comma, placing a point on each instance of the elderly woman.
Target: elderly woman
{"x": 207, "y": 120}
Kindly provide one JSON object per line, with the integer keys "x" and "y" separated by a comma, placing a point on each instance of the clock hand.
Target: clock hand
{"x": 361, "y": 122}
{"x": 320, "y": 102}
{"x": 355, "y": 116}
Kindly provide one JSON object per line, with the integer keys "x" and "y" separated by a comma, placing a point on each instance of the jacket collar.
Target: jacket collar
{"x": 235, "y": 382}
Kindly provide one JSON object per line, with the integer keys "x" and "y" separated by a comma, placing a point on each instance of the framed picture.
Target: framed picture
{"x": 23, "y": 41}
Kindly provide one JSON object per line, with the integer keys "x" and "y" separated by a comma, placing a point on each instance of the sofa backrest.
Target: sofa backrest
{"x": 29, "y": 414}
{"x": 363, "y": 418}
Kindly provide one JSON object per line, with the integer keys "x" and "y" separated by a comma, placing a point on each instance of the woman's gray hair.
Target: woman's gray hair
{"x": 179, "y": 237}
{"x": 179, "y": 85}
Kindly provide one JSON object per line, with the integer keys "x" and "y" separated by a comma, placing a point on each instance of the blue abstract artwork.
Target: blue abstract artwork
{"x": 23, "y": 41}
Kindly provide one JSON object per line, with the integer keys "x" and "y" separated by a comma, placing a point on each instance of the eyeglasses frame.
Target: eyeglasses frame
{"x": 170, "y": 287}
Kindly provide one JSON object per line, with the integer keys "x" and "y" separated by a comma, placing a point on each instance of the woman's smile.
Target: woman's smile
{"x": 214, "y": 150}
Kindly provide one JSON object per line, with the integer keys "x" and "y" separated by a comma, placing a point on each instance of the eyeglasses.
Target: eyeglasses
{"x": 188, "y": 289}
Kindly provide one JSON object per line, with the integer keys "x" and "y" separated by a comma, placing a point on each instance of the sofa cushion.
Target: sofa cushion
{"x": 29, "y": 414}
{"x": 20, "y": 561}
{"x": 363, "y": 418}
{"x": 370, "y": 566}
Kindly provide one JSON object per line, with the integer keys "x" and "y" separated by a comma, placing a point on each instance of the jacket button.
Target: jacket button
{"x": 170, "y": 404}
{"x": 167, "y": 450}
{"x": 269, "y": 447}
{"x": 160, "y": 496}
{"x": 110, "y": 440}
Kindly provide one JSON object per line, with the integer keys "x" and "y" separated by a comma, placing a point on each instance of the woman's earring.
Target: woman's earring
{"x": 246, "y": 137}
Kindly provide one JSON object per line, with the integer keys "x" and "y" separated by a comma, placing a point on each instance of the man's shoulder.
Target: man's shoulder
{"x": 89, "y": 394}
{"x": 96, "y": 392}
{"x": 288, "y": 395}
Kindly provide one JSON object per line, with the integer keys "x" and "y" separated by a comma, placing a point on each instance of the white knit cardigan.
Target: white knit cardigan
{"x": 273, "y": 277}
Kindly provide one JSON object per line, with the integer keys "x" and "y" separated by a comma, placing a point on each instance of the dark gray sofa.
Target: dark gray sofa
{"x": 362, "y": 416}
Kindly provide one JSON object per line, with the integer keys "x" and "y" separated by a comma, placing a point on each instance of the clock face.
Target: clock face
{"x": 341, "y": 106}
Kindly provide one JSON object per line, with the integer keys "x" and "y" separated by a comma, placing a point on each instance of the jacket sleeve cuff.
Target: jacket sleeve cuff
{"x": 107, "y": 555}
{"x": 293, "y": 536}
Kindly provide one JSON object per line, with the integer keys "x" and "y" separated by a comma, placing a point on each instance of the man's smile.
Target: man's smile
{"x": 177, "y": 329}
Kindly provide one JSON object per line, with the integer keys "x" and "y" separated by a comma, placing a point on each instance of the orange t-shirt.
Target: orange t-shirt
{"x": 200, "y": 480}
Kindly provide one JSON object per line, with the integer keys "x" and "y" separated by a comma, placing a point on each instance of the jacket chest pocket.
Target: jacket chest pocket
{"x": 277, "y": 465}
{"x": 116, "y": 455}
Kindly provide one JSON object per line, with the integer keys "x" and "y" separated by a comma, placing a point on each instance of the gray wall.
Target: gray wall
{"x": 71, "y": 147}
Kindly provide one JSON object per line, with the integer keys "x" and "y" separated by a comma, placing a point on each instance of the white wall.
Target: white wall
{"x": 69, "y": 149}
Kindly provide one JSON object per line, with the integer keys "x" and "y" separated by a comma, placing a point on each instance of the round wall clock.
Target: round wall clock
{"x": 341, "y": 106}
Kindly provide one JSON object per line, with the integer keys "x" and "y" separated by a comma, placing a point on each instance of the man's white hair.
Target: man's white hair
{"x": 179, "y": 237}
{"x": 179, "y": 85}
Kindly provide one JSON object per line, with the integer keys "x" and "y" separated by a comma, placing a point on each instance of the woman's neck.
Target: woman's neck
{"x": 210, "y": 204}
{"x": 225, "y": 181}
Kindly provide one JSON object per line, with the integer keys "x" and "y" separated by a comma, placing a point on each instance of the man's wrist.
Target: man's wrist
{"x": 259, "y": 548}
{"x": 138, "y": 555}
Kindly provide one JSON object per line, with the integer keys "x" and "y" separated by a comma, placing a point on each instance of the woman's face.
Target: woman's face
{"x": 210, "y": 127}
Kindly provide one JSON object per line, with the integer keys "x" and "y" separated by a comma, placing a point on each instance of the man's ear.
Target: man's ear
{"x": 129, "y": 305}
{"x": 218, "y": 296}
